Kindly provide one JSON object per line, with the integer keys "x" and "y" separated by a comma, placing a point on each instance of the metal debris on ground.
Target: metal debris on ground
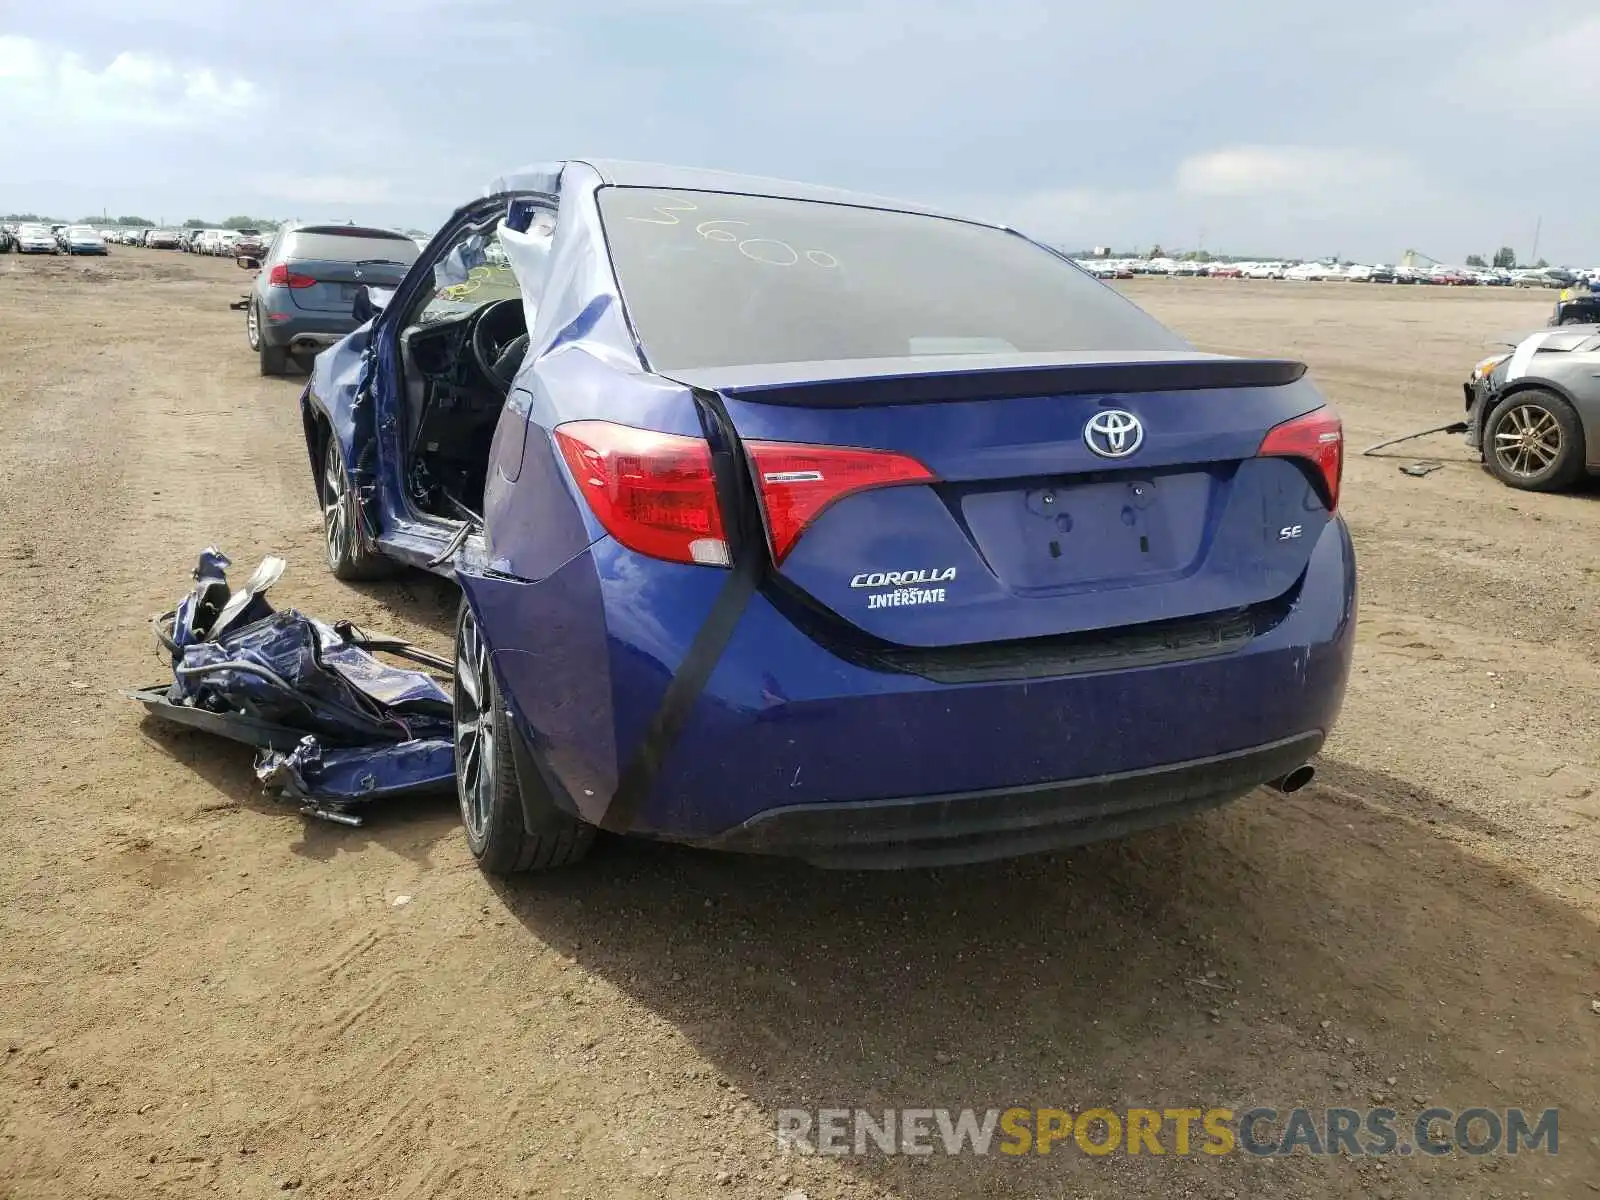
{"x": 1419, "y": 469}
{"x": 1452, "y": 427}
{"x": 336, "y": 727}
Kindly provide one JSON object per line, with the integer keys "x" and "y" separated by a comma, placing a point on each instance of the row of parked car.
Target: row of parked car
{"x": 34, "y": 238}
{"x": 1320, "y": 272}
{"x": 224, "y": 243}
{"x": 39, "y": 238}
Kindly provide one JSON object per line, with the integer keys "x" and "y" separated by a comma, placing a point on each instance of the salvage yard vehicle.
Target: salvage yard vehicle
{"x": 1577, "y": 305}
{"x": 83, "y": 239}
{"x": 249, "y": 242}
{"x": 36, "y": 239}
{"x": 303, "y": 297}
{"x": 799, "y": 522}
{"x": 1534, "y": 410}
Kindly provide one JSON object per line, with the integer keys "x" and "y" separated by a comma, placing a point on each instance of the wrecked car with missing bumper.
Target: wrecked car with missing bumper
{"x": 1533, "y": 408}
{"x": 678, "y": 434}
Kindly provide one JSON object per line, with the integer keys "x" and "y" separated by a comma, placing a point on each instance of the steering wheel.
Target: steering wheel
{"x": 494, "y": 329}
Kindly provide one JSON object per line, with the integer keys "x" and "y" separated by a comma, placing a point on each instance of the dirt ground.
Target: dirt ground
{"x": 203, "y": 993}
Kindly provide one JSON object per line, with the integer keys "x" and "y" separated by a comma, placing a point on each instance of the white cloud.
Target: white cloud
{"x": 1256, "y": 199}
{"x": 1549, "y": 74}
{"x": 1301, "y": 171}
{"x": 324, "y": 189}
{"x": 41, "y": 81}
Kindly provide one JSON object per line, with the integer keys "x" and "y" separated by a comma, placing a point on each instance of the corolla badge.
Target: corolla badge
{"x": 1113, "y": 433}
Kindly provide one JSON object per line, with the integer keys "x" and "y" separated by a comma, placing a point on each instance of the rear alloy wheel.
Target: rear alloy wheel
{"x": 499, "y": 802}
{"x": 349, "y": 555}
{"x": 1534, "y": 441}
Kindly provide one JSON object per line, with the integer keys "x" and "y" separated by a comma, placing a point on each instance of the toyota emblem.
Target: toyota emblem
{"x": 1113, "y": 433}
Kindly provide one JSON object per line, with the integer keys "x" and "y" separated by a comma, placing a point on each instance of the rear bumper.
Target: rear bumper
{"x": 303, "y": 332}
{"x": 788, "y": 739}
{"x": 968, "y": 827}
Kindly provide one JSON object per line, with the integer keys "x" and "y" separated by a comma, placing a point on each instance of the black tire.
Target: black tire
{"x": 344, "y": 540}
{"x": 273, "y": 360}
{"x": 493, "y": 794}
{"x": 1533, "y": 440}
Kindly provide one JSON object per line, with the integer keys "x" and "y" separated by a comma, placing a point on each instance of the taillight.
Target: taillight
{"x": 279, "y": 276}
{"x": 1318, "y": 438}
{"x": 797, "y": 482}
{"x": 653, "y": 492}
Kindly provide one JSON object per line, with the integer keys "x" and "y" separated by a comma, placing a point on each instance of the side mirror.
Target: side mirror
{"x": 370, "y": 301}
{"x": 247, "y": 262}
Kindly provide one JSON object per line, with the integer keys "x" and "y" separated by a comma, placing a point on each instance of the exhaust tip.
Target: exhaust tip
{"x": 1295, "y": 779}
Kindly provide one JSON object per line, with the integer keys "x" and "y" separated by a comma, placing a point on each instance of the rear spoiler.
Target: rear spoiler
{"x": 882, "y": 382}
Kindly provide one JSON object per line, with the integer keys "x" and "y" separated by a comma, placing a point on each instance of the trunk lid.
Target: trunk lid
{"x": 337, "y": 283}
{"x": 1025, "y": 531}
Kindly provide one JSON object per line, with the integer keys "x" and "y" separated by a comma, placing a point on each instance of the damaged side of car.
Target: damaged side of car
{"x": 335, "y": 726}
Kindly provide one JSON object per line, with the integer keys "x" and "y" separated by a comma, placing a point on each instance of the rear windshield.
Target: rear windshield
{"x": 350, "y": 245}
{"x": 712, "y": 279}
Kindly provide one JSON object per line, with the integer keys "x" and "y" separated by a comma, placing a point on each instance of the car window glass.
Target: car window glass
{"x": 473, "y": 272}
{"x": 717, "y": 279}
{"x": 349, "y": 247}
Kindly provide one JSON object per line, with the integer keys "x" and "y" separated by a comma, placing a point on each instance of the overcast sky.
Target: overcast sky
{"x": 1362, "y": 128}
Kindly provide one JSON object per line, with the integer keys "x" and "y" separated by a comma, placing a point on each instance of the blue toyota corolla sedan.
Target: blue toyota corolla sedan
{"x": 795, "y": 521}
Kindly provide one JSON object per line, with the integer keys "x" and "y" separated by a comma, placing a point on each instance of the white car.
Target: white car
{"x": 1359, "y": 274}
{"x": 1306, "y": 272}
{"x": 36, "y": 239}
